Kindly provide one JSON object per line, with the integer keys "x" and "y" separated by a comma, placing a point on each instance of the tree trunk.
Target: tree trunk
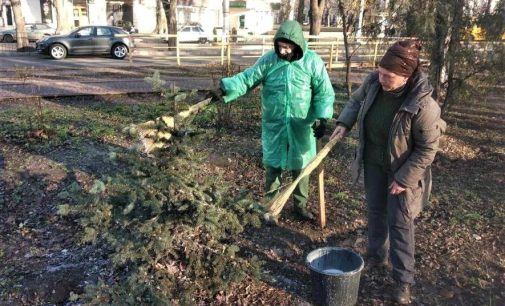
{"x": 345, "y": 29}
{"x": 21, "y": 38}
{"x": 439, "y": 50}
{"x": 300, "y": 17}
{"x": 172, "y": 22}
{"x": 161, "y": 18}
{"x": 61, "y": 17}
{"x": 452, "y": 49}
{"x": 285, "y": 10}
{"x": 316, "y": 14}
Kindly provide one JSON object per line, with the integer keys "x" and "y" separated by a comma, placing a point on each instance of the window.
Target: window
{"x": 187, "y": 29}
{"x": 85, "y": 32}
{"x": 103, "y": 32}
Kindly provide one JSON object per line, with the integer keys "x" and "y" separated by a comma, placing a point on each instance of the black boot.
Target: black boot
{"x": 401, "y": 293}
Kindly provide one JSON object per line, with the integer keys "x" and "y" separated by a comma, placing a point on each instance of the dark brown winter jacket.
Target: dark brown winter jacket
{"x": 413, "y": 137}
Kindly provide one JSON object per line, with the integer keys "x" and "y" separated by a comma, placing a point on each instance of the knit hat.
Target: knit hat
{"x": 402, "y": 57}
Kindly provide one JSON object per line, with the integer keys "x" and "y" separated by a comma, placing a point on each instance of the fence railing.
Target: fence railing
{"x": 364, "y": 52}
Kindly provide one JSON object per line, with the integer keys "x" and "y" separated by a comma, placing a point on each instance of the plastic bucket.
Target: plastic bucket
{"x": 335, "y": 274}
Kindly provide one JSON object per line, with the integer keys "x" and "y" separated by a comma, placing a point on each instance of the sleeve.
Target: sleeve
{"x": 241, "y": 83}
{"x": 323, "y": 94}
{"x": 427, "y": 129}
{"x": 349, "y": 114}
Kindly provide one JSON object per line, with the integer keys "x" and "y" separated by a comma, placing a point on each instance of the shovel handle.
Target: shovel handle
{"x": 320, "y": 182}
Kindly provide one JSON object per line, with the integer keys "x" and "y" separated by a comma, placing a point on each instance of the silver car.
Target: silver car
{"x": 34, "y": 31}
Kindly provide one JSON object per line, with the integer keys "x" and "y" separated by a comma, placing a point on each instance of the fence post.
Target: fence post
{"x": 177, "y": 50}
{"x": 228, "y": 55}
{"x": 375, "y": 53}
{"x": 222, "y": 50}
{"x": 336, "y": 55}
{"x": 331, "y": 56}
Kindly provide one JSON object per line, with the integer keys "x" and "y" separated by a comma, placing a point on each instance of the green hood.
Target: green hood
{"x": 291, "y": 30}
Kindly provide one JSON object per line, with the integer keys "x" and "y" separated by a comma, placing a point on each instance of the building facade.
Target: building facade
{"x": 252, "y": 16}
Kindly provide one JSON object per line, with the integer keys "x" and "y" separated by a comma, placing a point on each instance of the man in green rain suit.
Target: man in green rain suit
{"x": 296, "y": 92}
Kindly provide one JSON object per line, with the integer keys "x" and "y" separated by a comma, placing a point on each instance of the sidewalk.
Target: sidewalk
{"x": 73, "y": 87}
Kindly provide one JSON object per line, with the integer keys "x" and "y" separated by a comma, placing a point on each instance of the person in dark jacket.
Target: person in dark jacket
{"x": 296, "y": 92}
{"x": 399, "y": 129}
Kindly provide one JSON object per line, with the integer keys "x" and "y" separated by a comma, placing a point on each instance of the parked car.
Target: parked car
{"x": 88, "y": 40}
{"x": 34, "y": 31}
{"x": 193, "y": 34}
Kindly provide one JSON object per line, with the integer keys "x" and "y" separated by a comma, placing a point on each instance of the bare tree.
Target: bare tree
{"x": 285, "y": 11}
{"x": 316, "y": 15}
{"x": 21, "y": 38}
{"x": 300, "y": 17}
{"x": 345, "y": 30}
{"x": 172, "y": 22}
{"x": 161, "y": 18}
{"x": 61, "y": 17}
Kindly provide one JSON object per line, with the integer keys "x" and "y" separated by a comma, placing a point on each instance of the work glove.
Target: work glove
{"x": 216, "y": 95}
{"x": 319, "y": 127}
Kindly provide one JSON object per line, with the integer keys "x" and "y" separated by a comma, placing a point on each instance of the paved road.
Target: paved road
{"x": 89, "y": 76}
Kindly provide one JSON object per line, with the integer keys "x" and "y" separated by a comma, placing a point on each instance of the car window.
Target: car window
{"x": 85, "y": 32}
{"x": 188, "y": 29}
{"x": 199, "y": 29}
{"x": 103, "y": 32}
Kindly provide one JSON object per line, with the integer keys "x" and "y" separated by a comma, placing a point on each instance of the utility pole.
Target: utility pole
{"x": 226, "y": 19}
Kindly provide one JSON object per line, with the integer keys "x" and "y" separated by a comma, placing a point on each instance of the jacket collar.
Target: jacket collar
{"x": 419, "y": 90}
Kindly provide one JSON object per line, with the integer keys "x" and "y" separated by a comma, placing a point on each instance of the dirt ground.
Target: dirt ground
{"x": 460, "y": 252}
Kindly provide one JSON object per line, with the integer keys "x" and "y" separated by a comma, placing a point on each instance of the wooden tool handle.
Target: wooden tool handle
{"x": 320, "y": 183}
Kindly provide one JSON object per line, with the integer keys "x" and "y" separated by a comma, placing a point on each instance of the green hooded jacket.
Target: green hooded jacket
{"x": 294, "y": 94}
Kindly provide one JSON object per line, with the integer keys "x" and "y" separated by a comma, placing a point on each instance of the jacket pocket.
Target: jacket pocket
{"x": 412, "y": 200}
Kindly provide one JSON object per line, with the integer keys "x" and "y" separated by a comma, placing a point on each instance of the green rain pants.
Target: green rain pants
{"x": 273, "y": 182}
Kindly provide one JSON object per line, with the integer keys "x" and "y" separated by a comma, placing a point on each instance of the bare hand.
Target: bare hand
{"x": 340, "y": 132}
{"x": 395, "y": 188}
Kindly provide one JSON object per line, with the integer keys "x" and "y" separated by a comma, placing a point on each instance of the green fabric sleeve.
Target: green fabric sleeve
{"x": 241, "y": 83}
{"x": 324, "y": 96}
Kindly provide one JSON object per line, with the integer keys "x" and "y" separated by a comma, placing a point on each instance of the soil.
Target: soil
{"x": 459, "y": 248}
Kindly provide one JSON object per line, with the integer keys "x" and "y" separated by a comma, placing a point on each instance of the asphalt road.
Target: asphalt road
{"x": 83, "y": 62}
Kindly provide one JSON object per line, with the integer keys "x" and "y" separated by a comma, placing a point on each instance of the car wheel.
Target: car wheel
{"x": 8, "y": 38}
{"x": 119, "y": 51}
{"x": 202, "y": 40}
{"x": 58, "y": 51}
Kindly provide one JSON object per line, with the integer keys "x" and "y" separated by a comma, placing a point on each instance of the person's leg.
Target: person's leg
{"x": 301, "y": 197}
{"x": 401, "y": 235}
{"x": 301, "y": 192}
{"x": 376, "y": 192}
{"x": 272, "y": 181}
